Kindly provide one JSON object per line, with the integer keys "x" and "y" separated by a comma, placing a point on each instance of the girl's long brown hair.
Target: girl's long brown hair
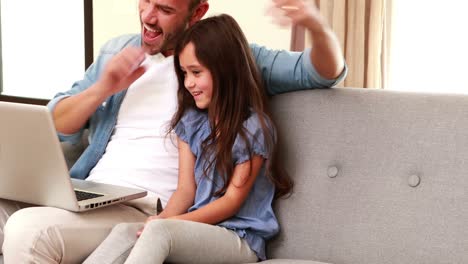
{"x": 222, "y": 48}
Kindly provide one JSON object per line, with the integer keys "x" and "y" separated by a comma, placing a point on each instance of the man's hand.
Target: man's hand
{"x": 300, "y": 12}
{"x": 72, "y": 113}
{"x": 122, "y": 70}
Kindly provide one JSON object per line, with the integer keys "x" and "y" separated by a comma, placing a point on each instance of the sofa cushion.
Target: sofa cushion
{"x": 291, "y": 261}
{"x": 381, "y": 177}
{"x": 73, "y": 152}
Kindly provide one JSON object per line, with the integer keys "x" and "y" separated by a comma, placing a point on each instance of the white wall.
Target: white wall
{"x": 257, "y": 26}
{"x": 112, "y": 18}
{"x": 115, "y": 17}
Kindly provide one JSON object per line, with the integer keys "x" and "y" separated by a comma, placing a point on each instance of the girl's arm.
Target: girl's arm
{"x": 230, "y": 203}
{"x": 184, "y": 196}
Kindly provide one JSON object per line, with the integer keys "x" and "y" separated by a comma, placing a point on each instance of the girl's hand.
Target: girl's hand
{"x": 151, "y": 218}
{"x": 300, "y": 12}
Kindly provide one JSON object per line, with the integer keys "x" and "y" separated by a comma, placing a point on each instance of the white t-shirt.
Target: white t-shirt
{"x": 139, "y": 154}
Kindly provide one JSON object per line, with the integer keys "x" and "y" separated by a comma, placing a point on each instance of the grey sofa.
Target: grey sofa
{"x": 381, "y": 177}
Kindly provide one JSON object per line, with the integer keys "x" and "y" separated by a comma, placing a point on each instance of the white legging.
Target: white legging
{"x": 173, "y": 240}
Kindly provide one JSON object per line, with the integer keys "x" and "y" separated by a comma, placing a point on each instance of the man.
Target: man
{"x": 125, "y": 99}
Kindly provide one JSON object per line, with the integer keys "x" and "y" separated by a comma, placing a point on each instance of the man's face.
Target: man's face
{"x": 162, "y": 21}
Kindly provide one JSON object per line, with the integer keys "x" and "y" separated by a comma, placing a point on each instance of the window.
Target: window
{"x": 430, "y": 46}
{"x": 42, "y": 46}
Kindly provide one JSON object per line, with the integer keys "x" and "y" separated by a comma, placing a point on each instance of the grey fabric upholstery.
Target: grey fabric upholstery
{"x": 381, "y": 177}
{"x": 290, "y": 261}
{"x": 73, "y": 152}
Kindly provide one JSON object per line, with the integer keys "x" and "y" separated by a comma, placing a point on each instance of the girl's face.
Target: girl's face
{"x": 198, "y": 80}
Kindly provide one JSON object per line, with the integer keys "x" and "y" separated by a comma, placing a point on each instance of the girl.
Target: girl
{"x": 222, "y": 210}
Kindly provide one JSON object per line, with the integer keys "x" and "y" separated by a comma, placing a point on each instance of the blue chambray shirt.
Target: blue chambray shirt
{"x": 255, "y": 221}
{"x": 282, "y": 71}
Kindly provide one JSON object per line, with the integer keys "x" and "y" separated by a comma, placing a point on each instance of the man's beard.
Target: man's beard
{"x": 172, "y": 38}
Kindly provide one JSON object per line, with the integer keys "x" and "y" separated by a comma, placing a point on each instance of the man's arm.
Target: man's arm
{"x": 326, "y": 55}
{"x": 71, "y": 113}
{"x": 321, "y": 66}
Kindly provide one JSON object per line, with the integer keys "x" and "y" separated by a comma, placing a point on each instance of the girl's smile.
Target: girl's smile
{"x": 197, "y": 95}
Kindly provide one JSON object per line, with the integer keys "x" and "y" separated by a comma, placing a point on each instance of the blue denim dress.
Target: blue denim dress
{"x": 255, "y": 221}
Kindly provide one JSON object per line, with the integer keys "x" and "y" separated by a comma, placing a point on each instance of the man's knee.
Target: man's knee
{"x": 7, "y": 208}
{"x": 27, "y": 234}
{"x": 15, "y": 230}
{"x": 24, "y": 220}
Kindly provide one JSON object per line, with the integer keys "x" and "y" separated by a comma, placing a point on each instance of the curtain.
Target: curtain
{"x": 363, "y": 28}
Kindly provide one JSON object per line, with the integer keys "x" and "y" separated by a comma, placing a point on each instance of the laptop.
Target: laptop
{"x": 33, "y": 169}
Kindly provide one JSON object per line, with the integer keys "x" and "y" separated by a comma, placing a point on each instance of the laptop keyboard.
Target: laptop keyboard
{"x": 80, "y": 196}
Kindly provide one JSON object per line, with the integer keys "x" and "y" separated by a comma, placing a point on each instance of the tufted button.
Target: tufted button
{"x": 414, "y": 180}
{"x": 332, "y": 171}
